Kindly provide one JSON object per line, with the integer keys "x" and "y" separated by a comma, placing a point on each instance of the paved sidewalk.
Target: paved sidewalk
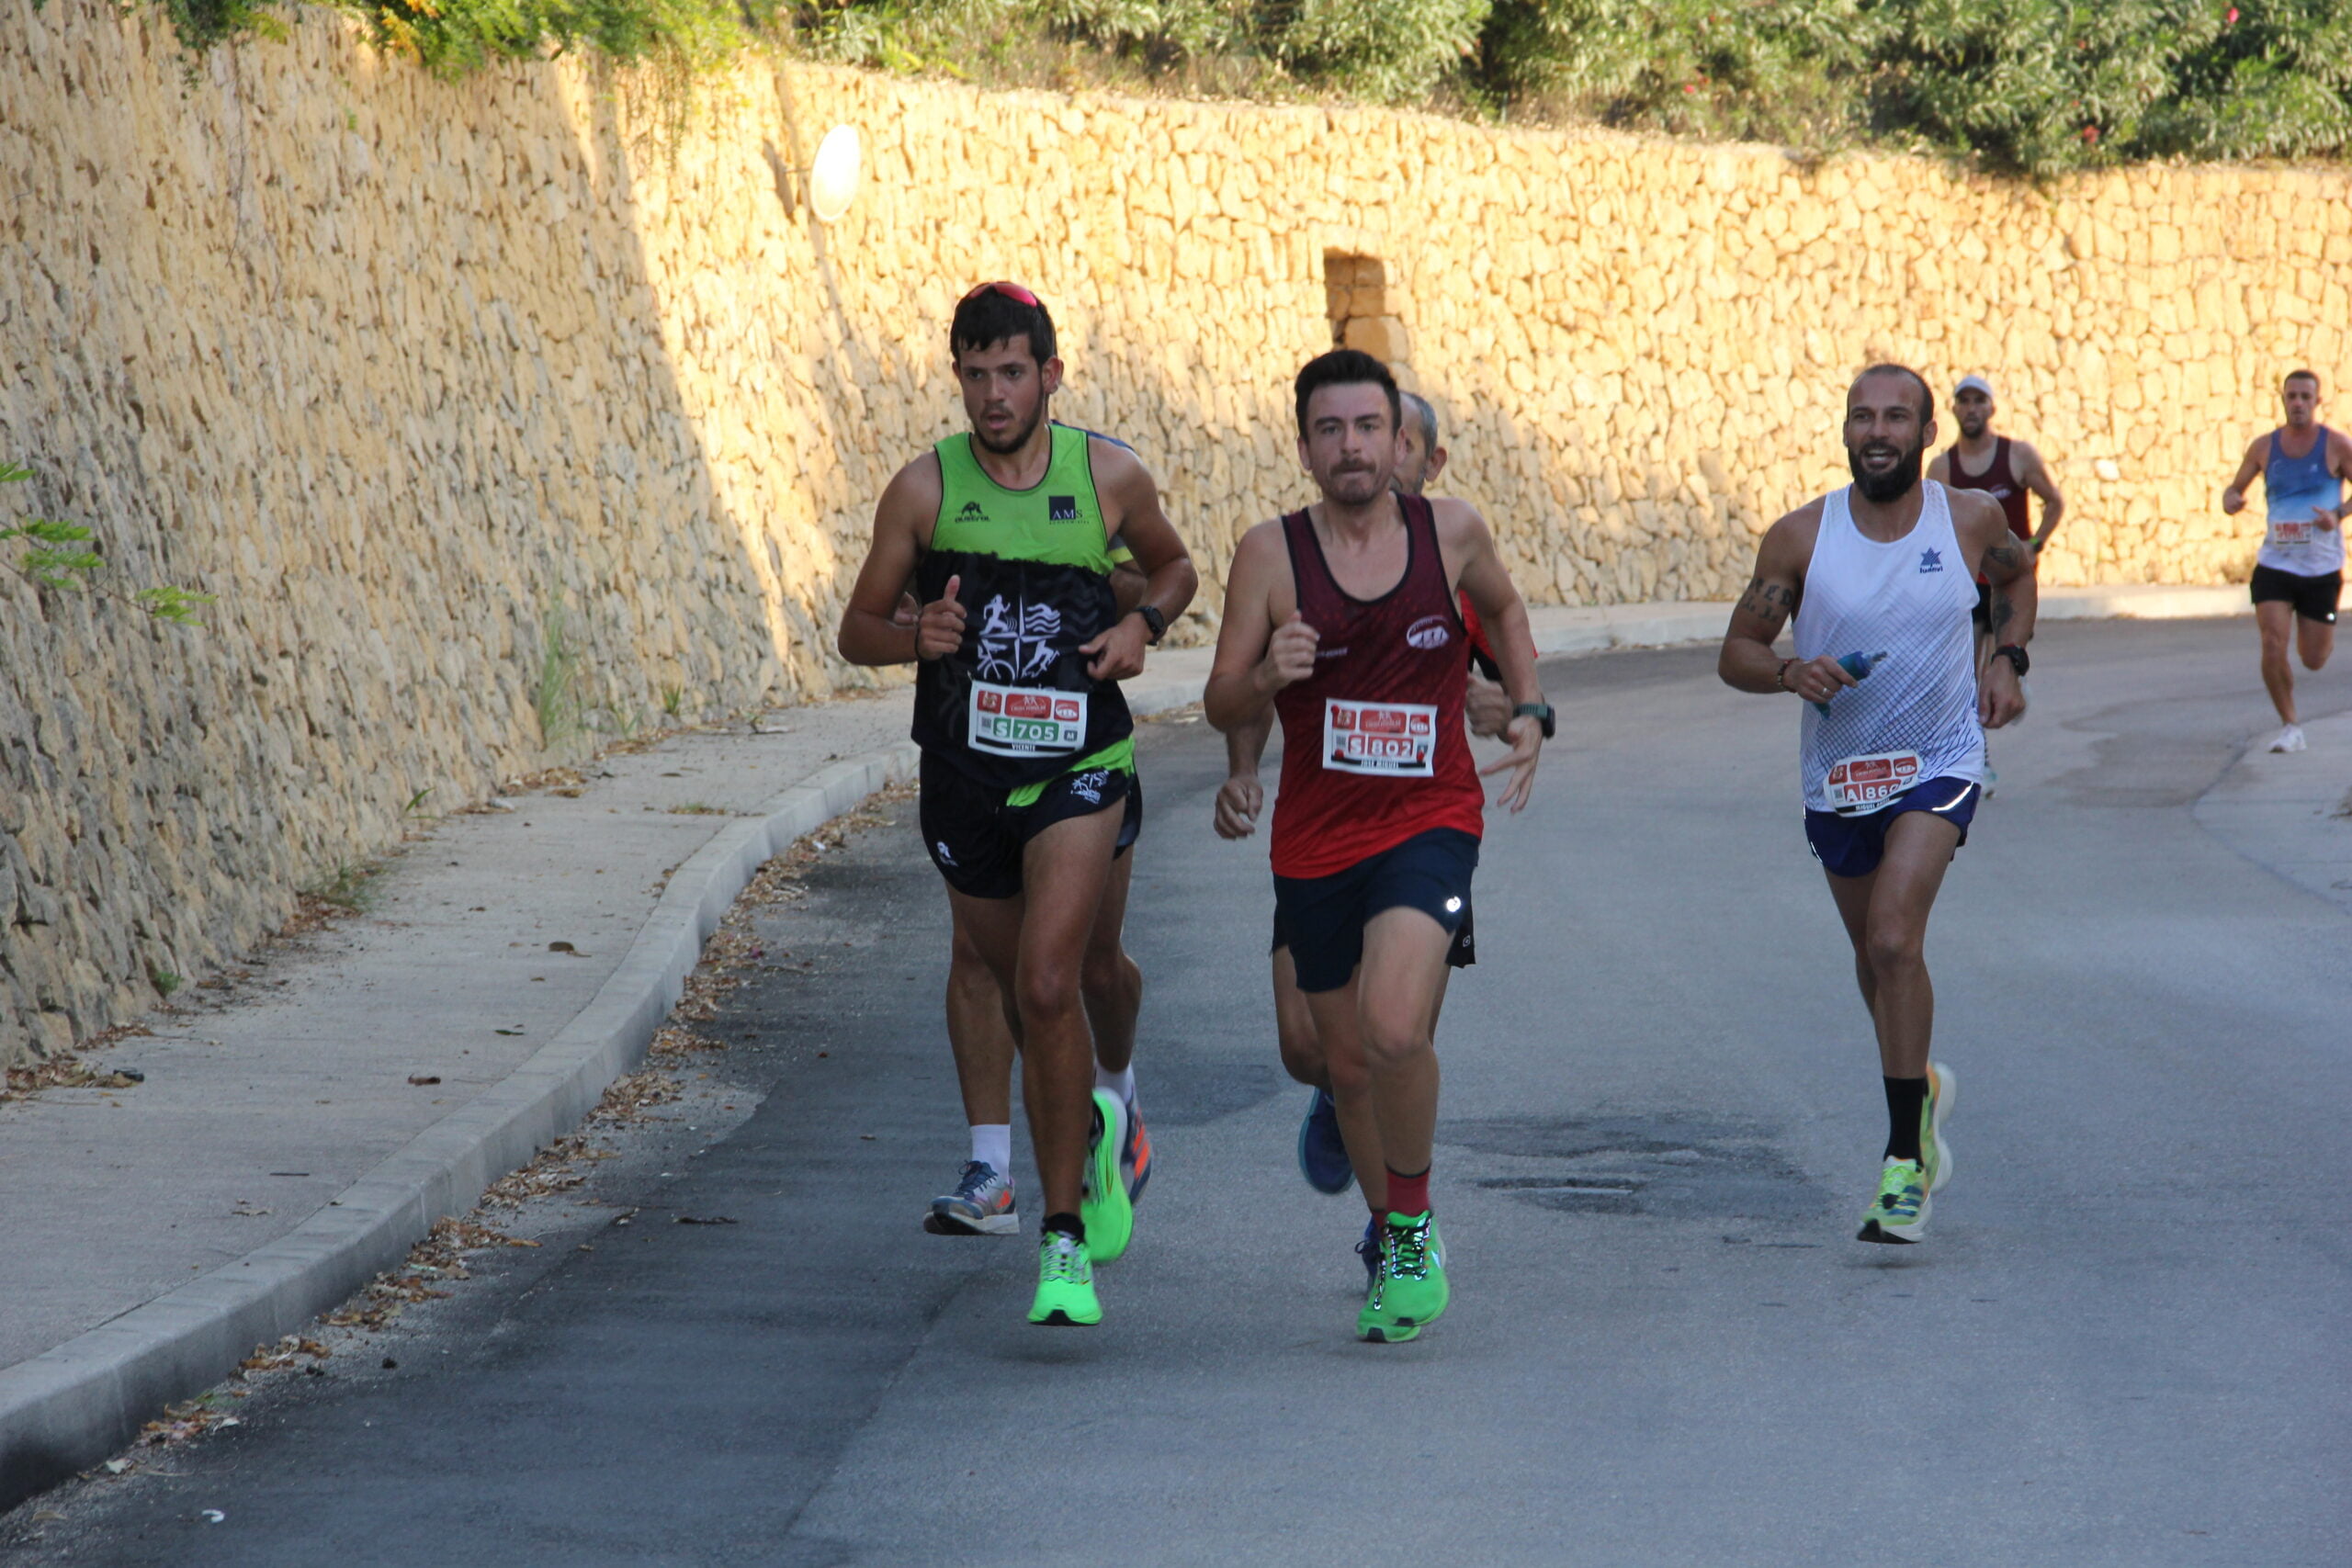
{"x": 280, "y": 1150}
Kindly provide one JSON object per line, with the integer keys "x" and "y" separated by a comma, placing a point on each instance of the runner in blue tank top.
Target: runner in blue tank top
{"x": 2299, "y": 571}
{"x": 1891, "y": 764}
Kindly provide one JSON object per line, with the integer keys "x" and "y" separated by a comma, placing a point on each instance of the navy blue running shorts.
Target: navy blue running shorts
{"x": 1461, "y": 955}
{"x": 1852, "y": 846}
{"x": 1325, "y": 916}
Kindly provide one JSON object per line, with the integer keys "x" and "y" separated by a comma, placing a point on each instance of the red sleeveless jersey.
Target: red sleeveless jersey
{"x": 1373, "y": 749}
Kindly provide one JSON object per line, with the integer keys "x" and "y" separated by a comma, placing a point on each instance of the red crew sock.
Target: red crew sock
{"x": 1408, "y": 1195}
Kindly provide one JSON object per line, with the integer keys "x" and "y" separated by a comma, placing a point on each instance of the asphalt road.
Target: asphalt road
{"x": 2124, "y": 1343}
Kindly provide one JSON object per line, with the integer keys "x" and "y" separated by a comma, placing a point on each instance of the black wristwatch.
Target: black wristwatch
{"x": 1154, "y": 621}
{"x": 2015, "y": 655}
{"x": 1540, "y": 712}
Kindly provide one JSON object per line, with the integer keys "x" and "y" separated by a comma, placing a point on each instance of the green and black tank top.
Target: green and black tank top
{"x": 1014, "y": 705}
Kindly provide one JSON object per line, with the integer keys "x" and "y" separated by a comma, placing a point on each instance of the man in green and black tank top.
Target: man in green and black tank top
{"x": 1028, "y": 785}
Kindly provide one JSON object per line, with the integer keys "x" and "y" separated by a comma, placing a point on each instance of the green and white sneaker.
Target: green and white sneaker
{"x": 1066, "y": 1297}
{"x": 1935, "y": 1154}
{"x": 1104, "y": 1205}
{"x": 1408, "y": 1291}
{"x": 1899, "y": 1213}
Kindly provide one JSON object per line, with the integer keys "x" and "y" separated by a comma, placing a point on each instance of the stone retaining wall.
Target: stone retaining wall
{"x": 502, "y": 411}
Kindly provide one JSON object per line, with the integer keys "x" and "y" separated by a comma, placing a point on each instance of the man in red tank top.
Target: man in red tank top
{"x": 2008, "y": 471}
{"x": 1322, "y": 1154}
{"x": 1343, "y": 617}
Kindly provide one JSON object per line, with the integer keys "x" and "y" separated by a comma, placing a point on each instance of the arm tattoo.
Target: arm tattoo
{"x": 2002, "y": 612}
{"x": 1768, "y": 602}
{"x": 2005, "y": 556}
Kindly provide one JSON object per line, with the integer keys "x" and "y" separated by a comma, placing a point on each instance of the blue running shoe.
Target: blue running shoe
{"x": 1368, "y": 1251}
{"x": 1322, "y": 1156}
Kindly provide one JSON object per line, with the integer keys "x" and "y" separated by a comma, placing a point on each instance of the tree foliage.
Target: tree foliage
{"x": 2023, "y": 86}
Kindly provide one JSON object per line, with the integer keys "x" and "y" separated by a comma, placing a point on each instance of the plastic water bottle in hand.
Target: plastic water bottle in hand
{"x": 1858, "y": 665}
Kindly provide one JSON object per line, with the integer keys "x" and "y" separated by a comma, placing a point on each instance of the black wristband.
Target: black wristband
{"x": 1154, "y": 621}
{"x": 2017, "y": 655}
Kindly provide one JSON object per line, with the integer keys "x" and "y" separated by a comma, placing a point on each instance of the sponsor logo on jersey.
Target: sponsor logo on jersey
{"x": 1931, "y": 560}
{"x": 1062, "y": 509}
{"x": 972, "y": 513}
{"x": 1430, "y": 631}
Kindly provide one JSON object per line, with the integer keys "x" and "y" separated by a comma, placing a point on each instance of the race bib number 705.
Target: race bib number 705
{"x": 1858, "y": 785}
{"x": 1021, "y": 721}
{"x": 1392, "y": 740}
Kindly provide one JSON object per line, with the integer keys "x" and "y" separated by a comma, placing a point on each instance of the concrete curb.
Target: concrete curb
{"x": 71, "y": 1406}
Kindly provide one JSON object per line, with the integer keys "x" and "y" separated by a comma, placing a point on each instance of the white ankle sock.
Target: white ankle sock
{"x": 1121, "y": 1083}
{"x": 992, "y": 1145}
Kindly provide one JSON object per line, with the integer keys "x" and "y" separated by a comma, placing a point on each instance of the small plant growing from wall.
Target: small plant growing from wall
{"x": 556, "y": 693}
{"x": 56, "y": 555}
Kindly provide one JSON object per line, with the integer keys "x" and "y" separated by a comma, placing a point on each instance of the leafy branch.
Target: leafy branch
{"x": 55, "y": 557}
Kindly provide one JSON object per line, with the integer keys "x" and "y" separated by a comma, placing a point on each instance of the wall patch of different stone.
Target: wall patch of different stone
{"x": 398, "y": 367}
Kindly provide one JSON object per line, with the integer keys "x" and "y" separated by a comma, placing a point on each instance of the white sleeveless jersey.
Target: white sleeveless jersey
{"x": 1914, "y": 717}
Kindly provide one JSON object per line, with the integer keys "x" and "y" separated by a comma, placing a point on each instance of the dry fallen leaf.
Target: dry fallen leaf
{"x": 428, "y": 1078}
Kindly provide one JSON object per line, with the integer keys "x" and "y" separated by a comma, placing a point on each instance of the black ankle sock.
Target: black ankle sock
{"x": 1070, "y": 1225}
{"x": 1905, "y": 1097}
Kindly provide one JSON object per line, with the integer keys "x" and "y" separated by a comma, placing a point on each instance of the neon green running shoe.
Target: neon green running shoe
{"x": 1108, "y": 1211}
{"x": 1066, "y": 1297}
{"x": 1410, "y": 1291}
{"x": 1899, "y": 1213}
{"x": 1935, "y": 1154}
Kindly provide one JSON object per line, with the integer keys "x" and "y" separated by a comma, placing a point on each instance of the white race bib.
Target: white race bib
{"x": 1858, "y": 785}
{"x": 2293, "y": 533}
{"x": 1022, "y": 721}
{"x": 1389, "y": 740}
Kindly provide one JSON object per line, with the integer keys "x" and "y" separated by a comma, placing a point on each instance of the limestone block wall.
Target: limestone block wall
{"x": 447, "y": 390}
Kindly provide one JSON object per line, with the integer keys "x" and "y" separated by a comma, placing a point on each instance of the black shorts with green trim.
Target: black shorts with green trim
{"x": 977, "y": 839}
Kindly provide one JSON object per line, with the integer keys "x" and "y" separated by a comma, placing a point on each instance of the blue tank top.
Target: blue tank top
{"x": 2291, "y": 489}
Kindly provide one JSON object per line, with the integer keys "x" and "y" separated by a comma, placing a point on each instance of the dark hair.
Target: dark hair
{"x": 988, "y": 317}
{"x": 1927, "y": 396}
{"x": 2310, "y": 376}
{"x": 1346, "y": 367}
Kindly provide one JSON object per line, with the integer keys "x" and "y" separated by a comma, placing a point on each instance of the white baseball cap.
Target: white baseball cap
{"x": 1974, "y": 384}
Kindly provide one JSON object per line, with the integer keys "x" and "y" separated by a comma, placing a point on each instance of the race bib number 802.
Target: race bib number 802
{"x": 1393, "y": 740}
{"x": 1021, "y": 721}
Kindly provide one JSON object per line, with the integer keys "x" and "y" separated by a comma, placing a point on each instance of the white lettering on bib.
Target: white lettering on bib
{"x": 1022, "y": 721}
{"x": 1858, "y": 785}
{"x": 1389, "y": 740}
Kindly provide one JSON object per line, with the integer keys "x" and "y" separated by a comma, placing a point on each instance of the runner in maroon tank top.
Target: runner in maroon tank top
{"x": 1343, "y": 615}
{"x": 2008, "y": 471}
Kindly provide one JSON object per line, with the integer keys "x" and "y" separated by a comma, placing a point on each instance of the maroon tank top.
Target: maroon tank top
{"x": 1373, "y": 749}
{"x": 2000, "y": 481}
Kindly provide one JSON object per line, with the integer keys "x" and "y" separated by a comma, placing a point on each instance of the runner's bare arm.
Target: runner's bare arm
{"x": 1463, "y": 536}
{"x": 1748, "y": 662}
{"x": 1128, "y": 585}
{"x": 871, "y": 631}
{"x": 1132, "y": 513}
{"x": 2034, "y": 474}
{"x": 2339, "y": 463}
{"x": 2234, "y": 495}
{"x": 1940, "y": 468}
{"x": 2010, "y": 603}
{"x": 1241, "y": 797}
{"x": 1254, "y": 660}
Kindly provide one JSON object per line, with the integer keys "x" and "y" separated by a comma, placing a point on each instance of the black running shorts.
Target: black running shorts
{"x": 2314, "y": 598}
{"x": 977, "y": 839}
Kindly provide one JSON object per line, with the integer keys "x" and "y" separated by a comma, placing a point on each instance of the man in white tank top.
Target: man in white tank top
{"x": 1880, "y": 577}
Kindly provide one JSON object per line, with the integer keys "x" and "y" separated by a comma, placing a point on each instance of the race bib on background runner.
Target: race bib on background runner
{"x": 2293, "y": 533}
{"x": 1022, "y": 721}
{"x": 1390, "y": 740}
{"x": 1858, "y": 785}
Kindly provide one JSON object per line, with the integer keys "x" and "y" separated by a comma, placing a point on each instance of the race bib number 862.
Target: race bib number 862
{"x": 1858, "y": 785}
{"x": 1394, "y": 741}
{"x": 1021, "y": 721}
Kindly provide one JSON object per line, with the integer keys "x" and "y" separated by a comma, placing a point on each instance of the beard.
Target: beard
{"x": 1896, "y": 482}
{"x": 1356, "y": 487}
{"x": 1020, "y": 437}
